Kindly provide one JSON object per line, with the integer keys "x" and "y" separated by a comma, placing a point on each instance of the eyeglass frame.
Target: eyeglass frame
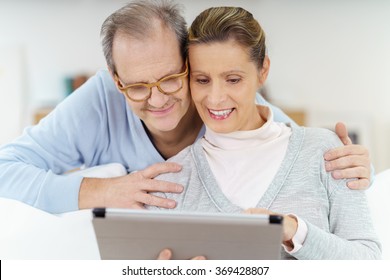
{"x": 123, "y": 89}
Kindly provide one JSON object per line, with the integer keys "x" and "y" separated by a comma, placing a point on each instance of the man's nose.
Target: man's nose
{"x": 157, "y": 99}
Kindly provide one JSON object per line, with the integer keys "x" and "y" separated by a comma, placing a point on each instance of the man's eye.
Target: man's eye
{"x": 138, "y": 88}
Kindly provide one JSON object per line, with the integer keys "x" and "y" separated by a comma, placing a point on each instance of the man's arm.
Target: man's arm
{"x": 31, "y": 165}
{"x": 347, "y": 162}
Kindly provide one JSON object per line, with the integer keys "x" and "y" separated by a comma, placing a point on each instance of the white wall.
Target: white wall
{"x": 60, "y": 38}
{"x": 329, "y": 58}
{"x": 12, "y": 92}
{"x": 332, "y": 58}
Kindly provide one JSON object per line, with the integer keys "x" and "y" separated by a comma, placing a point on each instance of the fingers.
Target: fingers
{"x": 362, "y": 174}
{"x": 348, "y": 162}
{"x": 257, "y": 211}
{"x": 165, "y": 254}
{"x": 342, "y": 133}
{"x": 149, "y": 199}
{"x": 290, "y": 226}
{"x": 360, "y": 164}
{"x": 160, "y": 168}
{"x": 350, "y": 173}
{"x": 132, "y": 190}
{"x": 152, "y": 185}
{"x": 199, "y": 258}
{"x": 345, "y": 151}
{"x": 360, "y": 184}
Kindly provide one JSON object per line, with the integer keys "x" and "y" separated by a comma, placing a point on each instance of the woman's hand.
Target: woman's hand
{"x": 166, "y": 254}
{"x": 290, "y": 225}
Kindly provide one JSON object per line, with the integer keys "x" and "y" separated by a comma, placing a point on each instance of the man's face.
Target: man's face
{"x": 148, "y": 61}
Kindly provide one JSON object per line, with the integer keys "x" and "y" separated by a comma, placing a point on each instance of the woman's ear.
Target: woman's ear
{"x": 263, "y": 74}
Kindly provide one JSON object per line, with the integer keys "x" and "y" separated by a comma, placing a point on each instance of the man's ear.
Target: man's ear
{"x": 264, "y": 70}
{"x": 112, "y": 74}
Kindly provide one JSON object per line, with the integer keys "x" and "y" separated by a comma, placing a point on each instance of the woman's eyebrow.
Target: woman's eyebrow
{"x": 223, "y": 73}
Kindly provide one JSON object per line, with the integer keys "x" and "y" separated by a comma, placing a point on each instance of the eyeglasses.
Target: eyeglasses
{"x": 140, "y": 91}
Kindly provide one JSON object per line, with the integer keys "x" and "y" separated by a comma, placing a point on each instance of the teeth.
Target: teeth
{"x": 221, "y": 112}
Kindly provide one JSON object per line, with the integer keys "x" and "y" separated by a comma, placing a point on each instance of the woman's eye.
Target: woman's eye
{"x": 202, "y": 81}
{"x": 234, "y": 80}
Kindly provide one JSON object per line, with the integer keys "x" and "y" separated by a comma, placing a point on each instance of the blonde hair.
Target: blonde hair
{"x": 219, "y": 24}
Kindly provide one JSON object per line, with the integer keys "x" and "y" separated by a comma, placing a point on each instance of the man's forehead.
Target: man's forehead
{"x": 154, "y": 30}
{"x": 146, "y": 60}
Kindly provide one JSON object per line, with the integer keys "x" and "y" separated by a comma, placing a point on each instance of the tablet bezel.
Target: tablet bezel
{"x": 141, "y": 234}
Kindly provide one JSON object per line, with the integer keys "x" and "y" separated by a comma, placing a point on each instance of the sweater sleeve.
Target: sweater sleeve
{"x": 345, "y": 242}
{"x": 351, "y": 232}
{"x": 31, "y": 166}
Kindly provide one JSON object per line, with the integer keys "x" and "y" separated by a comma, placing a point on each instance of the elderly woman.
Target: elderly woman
{"x": 246, "y": 161}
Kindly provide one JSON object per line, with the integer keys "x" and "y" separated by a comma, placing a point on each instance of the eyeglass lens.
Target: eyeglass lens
{"x": 167, "y": 86}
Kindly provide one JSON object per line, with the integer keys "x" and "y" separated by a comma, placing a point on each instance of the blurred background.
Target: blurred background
{"x": 330, "y": 60}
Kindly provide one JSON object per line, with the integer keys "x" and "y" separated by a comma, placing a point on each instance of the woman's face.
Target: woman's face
{"x": 223, "y": 84}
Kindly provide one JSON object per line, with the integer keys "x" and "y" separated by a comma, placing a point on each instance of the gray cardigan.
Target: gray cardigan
{"x": 338, "y": 219}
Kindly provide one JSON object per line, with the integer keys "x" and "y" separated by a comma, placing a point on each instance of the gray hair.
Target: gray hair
{"x": 135, "y": 19}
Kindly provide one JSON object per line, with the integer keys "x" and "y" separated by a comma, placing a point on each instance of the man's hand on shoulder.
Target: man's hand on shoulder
{"x": 349, "y": 161}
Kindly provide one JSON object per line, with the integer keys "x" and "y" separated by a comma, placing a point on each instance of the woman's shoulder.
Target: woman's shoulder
{"x": 321, "y": 137}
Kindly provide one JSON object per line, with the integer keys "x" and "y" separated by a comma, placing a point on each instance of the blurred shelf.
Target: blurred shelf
{"x": 299, "y": 116}
{"x": 41, "y": 113}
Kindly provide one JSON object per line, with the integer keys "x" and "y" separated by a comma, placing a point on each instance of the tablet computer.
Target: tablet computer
{"x": 141, "y": 234}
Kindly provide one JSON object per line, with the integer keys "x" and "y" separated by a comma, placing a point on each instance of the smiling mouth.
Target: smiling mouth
{"x": 220, "y": 114}
{"x": 161, "y": 112}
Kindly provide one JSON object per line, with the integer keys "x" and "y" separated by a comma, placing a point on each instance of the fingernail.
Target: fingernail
{"x": 171, "y": 204}
{"x": 327, "y": 156}
{"x": 166, "y": 254}
{"x": 180, "y": 188}
{"x": 354, "y": 185}
{"x": 178, "y": 167}
{"x": 336, "y": 174}
{"x": 327, "y": 166}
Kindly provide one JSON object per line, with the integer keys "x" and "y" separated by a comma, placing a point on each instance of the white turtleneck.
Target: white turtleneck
{"x": 229, "y": 156}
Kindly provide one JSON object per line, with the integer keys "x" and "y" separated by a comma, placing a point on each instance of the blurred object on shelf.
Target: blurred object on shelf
{"x": 72, "y": 83}
{"x": 40, "y": 113}
{"x": 299, "y": 116}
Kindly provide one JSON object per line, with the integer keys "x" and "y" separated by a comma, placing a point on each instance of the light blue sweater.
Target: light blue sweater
{"x": 93, "y": 126}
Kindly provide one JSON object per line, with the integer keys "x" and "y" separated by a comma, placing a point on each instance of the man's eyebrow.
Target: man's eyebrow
{"x": 173, "y": 72}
